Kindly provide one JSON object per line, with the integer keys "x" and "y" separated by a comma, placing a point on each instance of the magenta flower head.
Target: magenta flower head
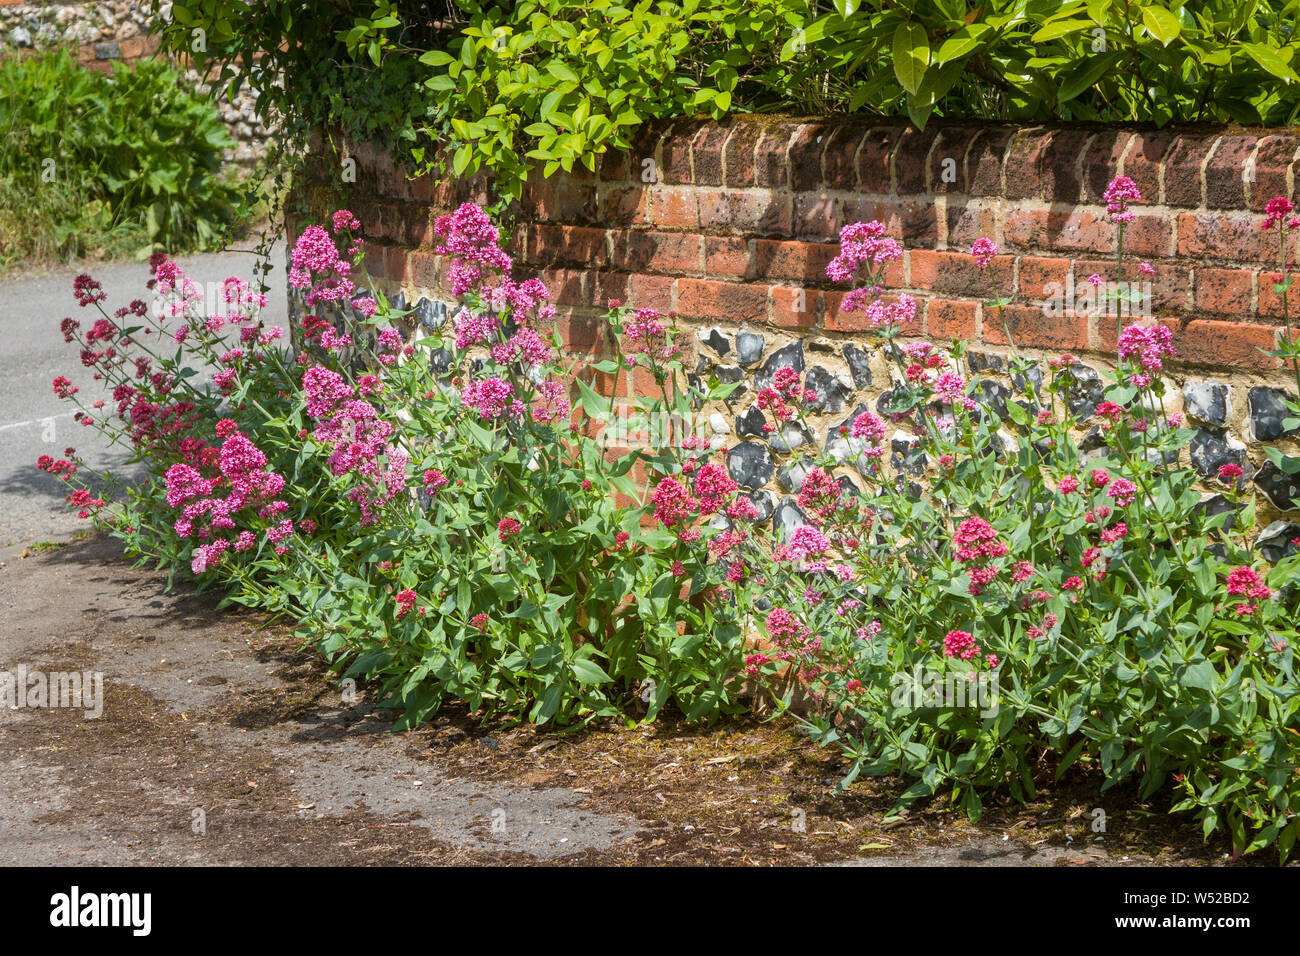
{"x": 984, "y": 250}
{"x": 1276, "y": 211}
{"x": 1118, "y": 195}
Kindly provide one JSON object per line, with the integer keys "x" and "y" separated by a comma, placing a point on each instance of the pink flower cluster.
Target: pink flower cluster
{"x": 1118, "y": 195}
{"x": 1150, "y": 345}
{"x": 984, "y": 250}
{"x": 861, "y": 243}
{"x": 977, "y": 545}
{"x": 961, "y": 645}
{"x": 207, "y": 516}
{"x": 1276, "y": 212}
{"x": 492, "y": 398}
{"x": 317, "y": 267}
{"x": 1245, "y": 582}
{"x": 471, "y": 240}
{"x": 357, "y": 439}
{"x": 647, "y": 335}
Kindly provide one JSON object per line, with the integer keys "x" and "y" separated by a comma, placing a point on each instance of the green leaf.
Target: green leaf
{"x": 589, "y": 672}
{"x": 911, "y": 55}
{"x": 1083, "y": 76}
{"x": 1162, "y": 23}
{"x": 561, "y": 71}
{"x": 1268, "y": 58}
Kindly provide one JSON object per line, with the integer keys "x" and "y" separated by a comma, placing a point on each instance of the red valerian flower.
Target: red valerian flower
{"x": 961, "y": 645}
{"x": 507, "y": 527}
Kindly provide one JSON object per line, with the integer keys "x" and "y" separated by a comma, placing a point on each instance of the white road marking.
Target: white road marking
{"x": 36, "y": 421}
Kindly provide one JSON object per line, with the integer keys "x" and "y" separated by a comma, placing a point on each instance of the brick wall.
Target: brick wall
{"x": 732, "y": 226}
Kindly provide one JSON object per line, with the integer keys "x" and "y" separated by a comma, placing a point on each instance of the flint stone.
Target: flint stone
{"x": 751, "y": 423}
{"x": 1211, "y": 449}
{"x": 1277, "y": 541}
{"x": 1085, "y": 393}
{"x": 788, "y": 356}
{"x": 789, "y": 436}
{"x": 750, "y": 464}
{"x": 1282, "y": 490}
{"x": 749, "y": 347}
{"x": 1267, "y": 412}
{"x": 788, "y": 518}
{"x": 859, "y": 364}
{"x": 1207, "y": 402}
{"x": 714, "y": 339}
{"x": 831, "y": 392}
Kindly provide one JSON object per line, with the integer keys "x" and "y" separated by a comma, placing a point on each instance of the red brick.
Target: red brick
{"x": 816, "y": 216}
{"x": 1226, "y": 344}
{"x": 951, "y": 144}
{"x": 1171, "y": 286}
{"x": 650, "y": 292}
{"x": 396, "y": 264}
{"x": 984, "y": 162}
{"x": 911, "y": 159}
{"x": 771, "y": 162}
{"x": 1143, "y": 162}
{"x": 606, "y": 286}
{"x": 739, "y": 154}
{"x": 625, "y": 205}
{"x": 676, "y": 146}
{"x": 1221, "y": 237}
{"x": 947, "y": 319}
{"x": 565, "y": 285}
{"x": 574, "y": 202}
{"x": 762, "y": 212}
{"x": 793, "y": 307}
{"x": 969, "y": 220}
{"x": 706, "y": 155}
{"x": 419, "y": 228}
{"x": 580, "y": 333}
{"x": 727, "y": 256}
{"x": 732, "y": 301}
{"x": 805, "y": 261}
{"x": 874, "y": 166}
{"x": 1061, "y": 175}
{"x": 1080, "y": 231}
{"x": 1224, "y": 291}
{"x": 806, "y": 156}
{"x": 653, "y": 251}
{"x": 958, "y": 273}
{"x": 615, "y": 166}
{"x": 1031, "y": 327}
{"x": 422, "y": 188}
{"x": 837, "y": 320}
{"x": 1101, "y": 162}
{"x": 1270, "y": 303}
{"x": 1036, "y": 273}
{"x": 1225, "y": 184}
{"x": 550, "y": 244}
{"x": 675, "y": 207}
{"x": 1183, "y": 169}
{"x": 839, "y": 158}
{"x": 1275, "y": 156}
{"x": 912, "y": 223}
{"x": 1023, "y": 167}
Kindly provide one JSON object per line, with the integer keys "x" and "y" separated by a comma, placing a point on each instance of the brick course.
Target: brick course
{"x": 731, "y": 220}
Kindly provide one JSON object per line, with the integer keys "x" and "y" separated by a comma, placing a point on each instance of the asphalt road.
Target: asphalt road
{"x": 33, "y": 421}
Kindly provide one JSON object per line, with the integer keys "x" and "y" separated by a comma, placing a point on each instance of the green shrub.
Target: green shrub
{"x": 1038, "y": 607}
{"x": 140, "y": 155}
{"x": 427, "y": 511}
{"x": 510, "y": 86}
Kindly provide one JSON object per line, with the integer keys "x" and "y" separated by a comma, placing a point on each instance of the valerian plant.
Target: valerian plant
{"x": 1004, "y": 605}
{"x": 432, "y": 512}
